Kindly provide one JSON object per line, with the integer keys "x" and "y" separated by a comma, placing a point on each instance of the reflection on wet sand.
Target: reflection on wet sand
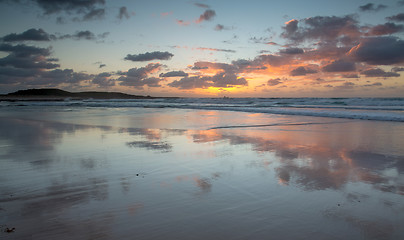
{"x": 315, "y": 164}
{"x": 336, "y": 181}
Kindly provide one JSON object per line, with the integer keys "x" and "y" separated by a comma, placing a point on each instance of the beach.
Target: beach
{"x": 74, "y": 172}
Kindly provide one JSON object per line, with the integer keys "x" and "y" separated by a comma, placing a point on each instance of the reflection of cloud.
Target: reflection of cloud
{"x": 371, "y": 229}
{"x": 317, "y": 166}
{"x": 61, "y": 196}
{"x": 157, "y": 146}
{"x": 203, "y": 183}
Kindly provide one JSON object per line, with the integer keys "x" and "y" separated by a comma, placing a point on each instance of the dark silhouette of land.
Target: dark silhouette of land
{"x": 54, "y": 94}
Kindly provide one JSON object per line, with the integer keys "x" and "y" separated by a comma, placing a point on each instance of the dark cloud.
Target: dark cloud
{"x": 290, "y": 28}
{"x": 213, "y": 65}
{"x": 219, "y": 27}
{"x": 372, "y": 7}
{"x": 376, "y": 84}
{"x": 261, "y": 40}
{"x": 397, "y": 69}
{"x": 225, "y": 80}
{"x": 34, "y": 61}
{"x": 149, "y": 56}
{"x": 302, "y": 71}
{"x": 190, "y": 83}
{"x": 397, "y": 18}
{"x": 83, "y": 10}
{"x": 270, "y": 59}
{"x": 340, "y": 66}
{"x": 23, "y": 56}
{"x": 345, "y": 86}
{"x": 87, "y": 35}
{"x": 291, "y": 51}
{"x": 385, "y": 29}
{"x": 103, "y": 80}
{"x": 94, "y": 14}
{"x": 326, "y": 28}
{"x": 29, "y": 35}
{"x": 77, "y": 6}
{"x": 10, "y": 72}
{"x": 206, "y": 16}
{"x": 58, "y": 76}
{"x": 379, "y": 51}
{"x": 123, "y": 13}
{"x": 352, "y": 75}
{"x": 220, "y": 80}
{"x": 139, "y": 77}
{"x": 174, "y": 74}
{"x": 201, "y": 5}
{"x": 40, "y": 35}
{"x": 377, "y": 72}
{"x": 274, "y": 82}
{"x": 22, "y": 50}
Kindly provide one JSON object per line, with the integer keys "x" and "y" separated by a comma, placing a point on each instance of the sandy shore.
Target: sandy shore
{"x": 92, "y": 173}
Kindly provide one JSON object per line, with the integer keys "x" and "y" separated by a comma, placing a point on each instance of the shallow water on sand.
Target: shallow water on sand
{"x": 100, "y": 173}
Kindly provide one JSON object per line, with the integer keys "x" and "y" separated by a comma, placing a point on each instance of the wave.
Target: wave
{"x": 381, "y": 109}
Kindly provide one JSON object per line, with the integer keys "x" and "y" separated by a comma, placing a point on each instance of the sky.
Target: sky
{"x": 206, "y": 48}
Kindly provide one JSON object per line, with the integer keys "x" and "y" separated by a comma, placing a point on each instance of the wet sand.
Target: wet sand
{"x": 99, "y": 173}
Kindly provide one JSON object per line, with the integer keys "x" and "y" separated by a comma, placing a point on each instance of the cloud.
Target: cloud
{"x": 149, "y": 56}
{"x": 340, "y": 66}
{"x": 270, "y": 59}
{"x": 84, "y": 10}
{"x": 220, "y": 80}
{"x": 302, "y": 71}
{"x": 40, "y": 35}
{"x": 216, "y": 49}
{"x": 212, "y": 65}
{"x": 58, "y": 76}
{"x": 397, "y": 69}
{"x": 206, "y": 16}
{"x": 377, "y": 72}
{"x": 226, "y": 80}
{"x": 385, "y": 29}
{"x": 371, "y": 7}
{"x": 139, "y": 77}
{"x": 190, "y": 83}
{"x": 103, "y": 80}
{"x": 352, "y": 75}
{"x": 123, "y": 13}
{"x": 77, "y": 6}
{"x": 23, "y": 56}
{"x": 94, "y": 14}
{"x": 378, "y": 51}
{"x": 29, "y": 35}
{"x": 274, "y": 82}
{"x": 291, "y": 51}
{"x": 219, "y": 27}
{"x": 326, "y": 28}
{"x": 182, "y": 22}
{"x": 397, "y": 18}
{"x": 83, "y": 35}
{"x": 346, "y": 85}
{"x": 201, "y": 5}
{"x": 22, "y": 50}
{"x": 87, "y": 35}
{"x": 174, "y": 74}
{"x": 376, "y": 84}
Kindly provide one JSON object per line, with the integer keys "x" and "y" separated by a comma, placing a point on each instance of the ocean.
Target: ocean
{"x": 381, "y": 109}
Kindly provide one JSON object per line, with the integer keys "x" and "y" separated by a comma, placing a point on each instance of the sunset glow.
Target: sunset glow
{"x": 205, "y": 49}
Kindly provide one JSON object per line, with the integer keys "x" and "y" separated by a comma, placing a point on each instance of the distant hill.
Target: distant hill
{"x": 55, "y": 94}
